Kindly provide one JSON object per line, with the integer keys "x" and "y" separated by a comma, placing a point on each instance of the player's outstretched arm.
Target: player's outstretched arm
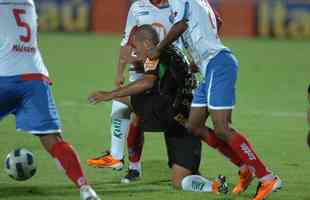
{"x": 136, "y": 87}
{"x": 175, "y": 32}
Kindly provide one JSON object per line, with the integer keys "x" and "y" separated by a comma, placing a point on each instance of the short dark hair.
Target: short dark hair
{"x": 146, "y": 32}
{"x": 309, "y": 89}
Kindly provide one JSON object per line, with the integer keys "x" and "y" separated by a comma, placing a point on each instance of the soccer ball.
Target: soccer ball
{"x": 20, "y": 164}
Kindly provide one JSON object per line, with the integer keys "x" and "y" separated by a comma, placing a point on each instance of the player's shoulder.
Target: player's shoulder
{"x": 140, "y": 6}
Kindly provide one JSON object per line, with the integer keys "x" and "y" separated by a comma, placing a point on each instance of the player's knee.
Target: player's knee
{"x": 223, "y": 132}
{"x": 135, "y": 120}
{"x": 178, "y": 174}
{"x": 194, "y": 129}
{"x": 49, "y": 140}
{"x": 120, "y": 111}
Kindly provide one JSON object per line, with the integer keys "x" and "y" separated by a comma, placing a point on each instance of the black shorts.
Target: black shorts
{"x": 183, "y": 149}
{"x": 157, "y": 114}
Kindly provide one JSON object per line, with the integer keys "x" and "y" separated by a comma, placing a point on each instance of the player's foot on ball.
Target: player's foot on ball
{"x": 266, "y": 188}
{"x": 220, "y": 185}
{"x": 106, "y": 161}
{"x": 131, "y": 176}
{"x": 245, "y": 179}
{"x": 87, "y": 193}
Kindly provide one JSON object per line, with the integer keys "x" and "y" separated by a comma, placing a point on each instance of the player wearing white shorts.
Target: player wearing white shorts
{"x": 195, "y": 22}
{"x": 155, "y": 13}
{"x": 25, "y": 88}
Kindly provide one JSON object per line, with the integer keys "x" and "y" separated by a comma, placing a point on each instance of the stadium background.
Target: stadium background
{"x": 250, "y": 18}
{"x": 79, "y": 40}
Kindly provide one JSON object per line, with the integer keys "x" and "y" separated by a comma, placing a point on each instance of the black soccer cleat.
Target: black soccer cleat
{"x": 223, "y": 186}
{"x": 131, "y": 176}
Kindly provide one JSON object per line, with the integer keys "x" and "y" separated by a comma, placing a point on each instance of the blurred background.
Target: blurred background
{"x": 80, "y": 41}
{"x": 243, "y": 18}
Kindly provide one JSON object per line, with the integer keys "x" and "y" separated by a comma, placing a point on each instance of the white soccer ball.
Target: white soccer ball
{"x": 20, "y": 164}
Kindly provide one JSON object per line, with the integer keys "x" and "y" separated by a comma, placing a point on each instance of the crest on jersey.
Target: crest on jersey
{"x": 150, "y": 65}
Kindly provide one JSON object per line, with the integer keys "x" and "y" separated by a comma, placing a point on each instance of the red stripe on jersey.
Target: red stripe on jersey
{"x": 35, "y": 77}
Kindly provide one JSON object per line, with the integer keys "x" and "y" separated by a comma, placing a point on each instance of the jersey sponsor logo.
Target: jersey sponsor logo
{"x": 150, "y": 65}
{"x": 246, "y": 149}
{"x": 181, "y": 119}
{"x": 142, "y": 13}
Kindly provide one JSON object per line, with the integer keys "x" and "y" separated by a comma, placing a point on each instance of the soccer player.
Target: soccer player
{"x": 25, "y": 89}
{"x": 161, "y": 98}
{"x": 195, "y": 22}
{"x": 155, "y": 13}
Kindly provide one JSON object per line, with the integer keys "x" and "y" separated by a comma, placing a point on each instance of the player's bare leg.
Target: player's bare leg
{"x": 198, "y": 117}
{"x": 64, "y": 153}
{"x": 242, "y": 147}
{"x": 184, "y": 179}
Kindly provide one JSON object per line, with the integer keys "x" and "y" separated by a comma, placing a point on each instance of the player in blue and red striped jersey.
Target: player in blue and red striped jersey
{"x": 25, "y": 88}
{"x": 195, "y": 22}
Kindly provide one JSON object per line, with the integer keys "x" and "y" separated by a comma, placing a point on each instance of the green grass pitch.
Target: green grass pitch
{"x": 271, "y": 111}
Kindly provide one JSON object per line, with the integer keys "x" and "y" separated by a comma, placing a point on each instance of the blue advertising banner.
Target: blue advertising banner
{"x": 284, "y": 18}
{"x": 64, "y": 15}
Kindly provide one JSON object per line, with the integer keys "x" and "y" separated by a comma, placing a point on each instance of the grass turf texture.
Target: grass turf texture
{"x": 271, "y": 111}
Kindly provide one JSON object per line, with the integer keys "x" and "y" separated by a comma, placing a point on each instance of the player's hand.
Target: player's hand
{"x": 153, "y": 53}
{"x": 100, "y": 96}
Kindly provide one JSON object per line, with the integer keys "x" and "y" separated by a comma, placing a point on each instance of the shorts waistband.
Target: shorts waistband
{"x": 26, "y": 77}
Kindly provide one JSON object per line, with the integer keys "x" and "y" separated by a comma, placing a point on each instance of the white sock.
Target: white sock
{"x": 119, "y": 130}
{"x": 135, "y": 166}
{"x": 195, "y": 183}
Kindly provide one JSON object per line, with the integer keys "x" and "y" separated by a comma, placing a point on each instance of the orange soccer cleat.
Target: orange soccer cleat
{"x": 266, "y": 188}
{"x": 246, "y": 177}
{"x": 106, "y": 161}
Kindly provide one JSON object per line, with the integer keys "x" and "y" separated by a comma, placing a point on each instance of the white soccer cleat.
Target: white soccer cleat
{"x": 87, "y": 193}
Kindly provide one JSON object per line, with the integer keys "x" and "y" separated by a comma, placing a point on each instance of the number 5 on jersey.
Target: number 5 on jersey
{"x": 17, "y": 14}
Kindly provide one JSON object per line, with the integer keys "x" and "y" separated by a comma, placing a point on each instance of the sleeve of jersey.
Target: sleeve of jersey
{"x": 181, "y": 9}
{"x": 130, "y": 24}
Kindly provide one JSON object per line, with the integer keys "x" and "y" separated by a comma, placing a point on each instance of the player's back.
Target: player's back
{"x": 144, "y": 12}
{"x": 202, "y": 35}
{"x": 147, "y": 13}
{"x": 19, "y": 52}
